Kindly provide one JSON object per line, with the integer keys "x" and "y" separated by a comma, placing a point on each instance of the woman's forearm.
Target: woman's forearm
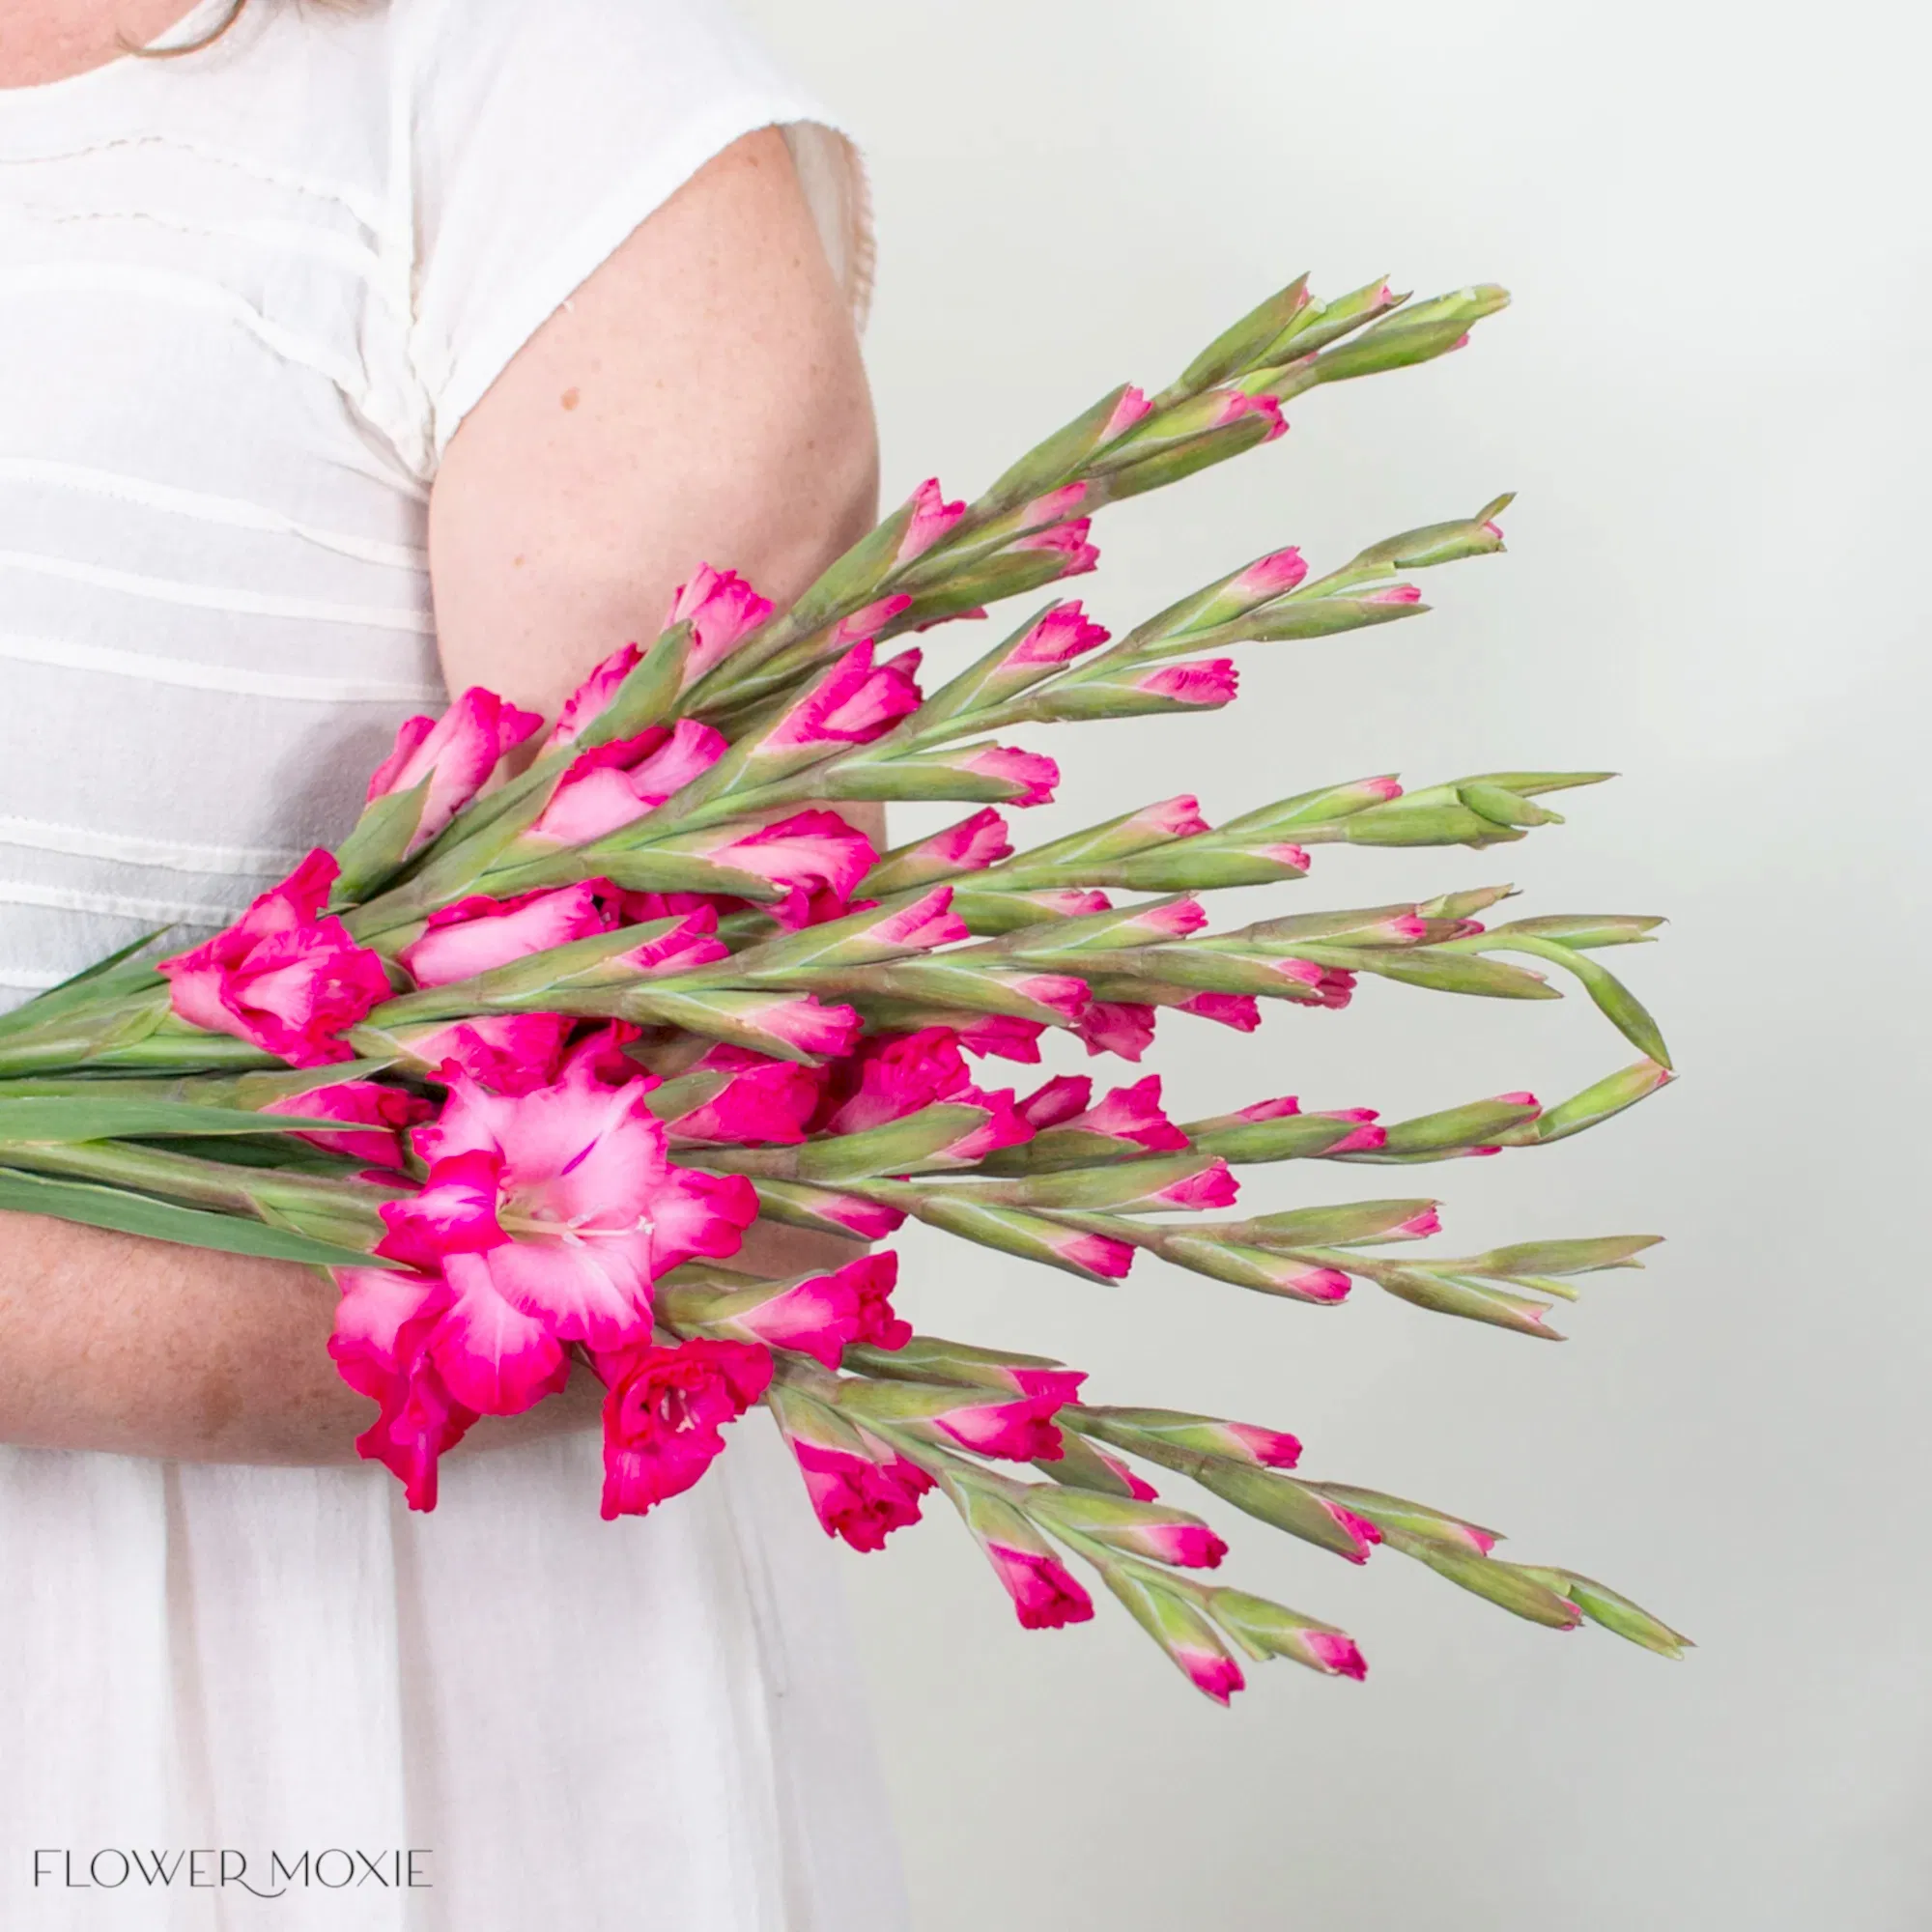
{"x": 138, "y": 1347}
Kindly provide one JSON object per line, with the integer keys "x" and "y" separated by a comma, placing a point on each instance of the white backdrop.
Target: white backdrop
{"x": 1711, "y": 394}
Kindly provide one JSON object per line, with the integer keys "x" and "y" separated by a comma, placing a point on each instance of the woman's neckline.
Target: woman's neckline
{"x": 198, "y": 19}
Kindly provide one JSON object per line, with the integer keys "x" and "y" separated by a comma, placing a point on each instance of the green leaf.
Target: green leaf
{"x": 1573, "y": 1256}
{"x": 88, "y": 1118}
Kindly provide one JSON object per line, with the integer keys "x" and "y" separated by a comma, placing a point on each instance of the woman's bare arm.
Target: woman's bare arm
{"x": 699, "y": 400}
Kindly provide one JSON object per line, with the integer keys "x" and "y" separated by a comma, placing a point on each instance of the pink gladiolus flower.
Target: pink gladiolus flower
{"x": 1127, "y": 412}
{"x": 1020, "y": 1428}
{"x": 374, "y": 1118}
{"x": 455, "y": 753}
{"x": 1420, "y": 1226}
{"x": 932, "y": 517}
{"x": 1362, "y": 1533}
{"x": 1336, "y": 1653}
{"x": 1271, "y": 1110}
{"x": 1207, "y": 682}
{"x": 1065, "y": 995}
{"x": 864, "y": 626}
{"x": 558, "y": 1207}
{"x": 1171, "y": 818}
{"x": 721, "y": 610}
{"x": 1396, "y": 593}
{"x": 690, "y": 944}
{"x": 1214, "y": 1186}
{"x": 1069, "y": 541}
{"x": 1097, "y": 1254}
{"x": 1170, "y": 922}
{"x": 1384, "y": 789}
{"x": 593, "y": 697}
{"x": 1116, "y": 1026}
{"x": 856, "y": 1497}
{"x": 1494, "y": 529}
{"x": 1267, "y": 577}
{"x": 1004, "y": 1127}
{"x": 1043, "y": 1590}
{"x": 1289, "y": 855}
{"x": 1229, "y": 1009}
{"x": 799, "y": 1021}
{"x": 1063, "y": 1096}
{"x": 1035, "y": 775}
{"x": 1213, "y": 1671}
{"x": 1191, "y": 1546}
{"x": 1520, "y": 1100}
{"x": 477, "y": 934}
{"x": 822, "y": 1314}
{"x": 1072, "y": 902}
{"x": 1268, "y": 407}
{"x": 969, "y": 847}
{"x": 283, "y": 977}
{"x": 1138, "y": 1486}
{"x": 508, "y": 1053}
{"x": 1271, "y": 1448}
{"x": 1329, "y": 986}
{"x": 814, "y": 855}
{"x": 664, "y": 1413}
{"x": 866, "y": 1219}
{"x": 1133, "y": 1114}
{"x": 1063, "y": 633}
{"x": 1053, "y": 507}
{"x": 894, "y": 1075}
{"x": 926, "y": 923}
{"x": 616, "y": 785}
{"x": 766, "y": 1101}
{"x": 600, "y": 1053}
{"x": 383, "y": 1324}
{"x": 855, "y": 702}
{"x": 1324, "y": 1285}
{"x": 1003, "y": 1037}
{"x": 1365, "y": 1139}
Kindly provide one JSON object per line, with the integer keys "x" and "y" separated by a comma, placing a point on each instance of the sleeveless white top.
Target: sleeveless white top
{"x": 245, "y": 298}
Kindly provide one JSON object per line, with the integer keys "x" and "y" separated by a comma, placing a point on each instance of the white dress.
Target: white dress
{"x": 245, "y": 297}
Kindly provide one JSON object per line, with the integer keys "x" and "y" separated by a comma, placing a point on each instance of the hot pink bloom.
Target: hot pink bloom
{"x": 1172, "y": 819}
{"x": 1002, "y": 1037}
{"x": 593, "y": 697}
{"x": 1267, "y": 577}
{"x": 1097, "y": 1254}
{"x": 1066, "y": 632}
{"x": 893, "y": 1075}
{"x": 1327, "y": 986}
{"x": 1396, "y": 593}
{"x": 1055, "y": 506}
{"x": 814, "y": 855}
{"x": 455, "y": 753}
{"x": 1191, "y": 1546}
{"x": 690, "y": 944}
{"x": 969, "y": 847}
{"x": 855, "y": 702}
{"x": 766, "y": 1101}
{"x": 797, "y": 1020}
{"x": 1214, "y": 1186}
{"x": 1268, "y": 407}
{"x": 600, "y": 1053}
{"x": 721, "y": 610}
{"x": 477, "y": 934}
{"x": 1269, "y": 1110}
{"x": 1032, "y": 775}
{"x": 1067, "y": 541}
{"x": 926, "y": 923}
{"x": 1324, "y": 1285}
{"x": 383, "y": 1325}
{"x": 618, "y": 784}
{"x": 866, "y": 1219}
{"x": 864, "y": 625}
{"x": 1065, "y": 995}
{"x": 1116, "y": 1026}
{"x": 374, "y": 1118}
{"x": 1132, "y": 1114}
{"x": 557, "y": 1208}
{"x": 1127, "y": 412}
{"x": 1210, "y": 1670}
{"x": 1365, "y": 1139}
{"x": 1063, "y": 1096}
{"x": 664, "y": 1413}
{"x": 1271, "y": 1448}
{"x": 1295, "y": 856}
{"x": 508, "y": 1053}
{"x": 1020, "y": 1426}
{"x": 1229, "y": 1009}
{"x": 1002, "y": 1126}
{"x": 856, "y": 1498}
{"x": 1336, "y": 1653}
{"x": 283, "y": 977}
{"x": 1207, "y": 682}
{"x": 932, "y": 517}
{"x": 1072, "y": 902}
{"x": 823, "y": 1313}
{"x": 1043, "y": 1590}
{"x": 1418, "y": 1226}
{"x": 1175, "y": 921}
{"x": 1362, "y": 1533}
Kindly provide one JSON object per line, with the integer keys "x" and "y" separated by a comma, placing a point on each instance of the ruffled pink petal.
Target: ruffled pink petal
{"x": 459, "y": 949}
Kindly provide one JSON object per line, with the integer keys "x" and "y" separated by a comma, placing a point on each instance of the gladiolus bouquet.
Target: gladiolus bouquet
{"x": 567, "y": 1010}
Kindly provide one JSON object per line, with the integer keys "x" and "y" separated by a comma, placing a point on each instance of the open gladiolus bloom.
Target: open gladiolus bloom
{"x": 567, "y": 1012}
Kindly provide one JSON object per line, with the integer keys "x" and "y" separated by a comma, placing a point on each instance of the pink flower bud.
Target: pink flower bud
{"x": 455, "y": 754}
{"x": 1037, "y": 776}
{"x": 891, "y": 1075}
{"x": 969, "y": 847}
{"x": 1267, "y": 577}
{"x": 284, "y": 977}
{"x": 1116, "y": 1026}
{"x": 1190, "y": 1546}
{"x": 506, "y": 1053}
{"x": 1271, "y": 1448}
{"x": 1133, "y": 1114}
{"x": 690, "y": 944}
{"x": 1017, "y": 1428}
{"x": 800, "y": 1022}
{"x": 1207, "y": 682}
{"x": 1214, "y": 1186}
{"x": 1365, "y": 1139}
{"x": 1054, "y": 507}
{"x": 1281, "y": 1109}
{"x": 858, "y": 1497}
{"x": 1127, "y": 412}
{"x": 1059, "y": 1100}
{"x": 615, "y": 784}
{"x": 1396, "y": 593}
{"x": 1269, "y": 407}
{"x": 932, "y": 517}
{"x": 864, "y": 625}
{"x": 721, "y": 610}
{"x": 1418, "y": 1226}
{"x": 1213, "y": 1671}
{"x": 664, "y": 1415}
{"x": 1097, "y": 1254}
{"x": 375, "y": 1119}
{"x": 1362, "y": 1533}
{"x": 1003, "y": 1127}
{"x": 1003, "y": 1037}
{"x": 1172, "y": 819}
{"x": 1323, "y": 1284}
{"x": 1327, "y": 985}
{"x": 1229, "y": 1009}
{"x": 593, "y": 697}
{"x": 1289, "y": 855}
{"x": 823, "y": 1313}
{"x": 1520, "y": 1100}
{"x": 1064, "y": 632}
{"x": 1492, "y": 529}
{"x": 1170, "y": 922}
{"x": 1384, "y": 788}
{"x": 477, "y": 934}
{"x": 1065, "y": 995}
{"x": 1137, "y": 1486}
{"x": 1068, "y": 540}
{"x": 766, "y": 1101}
{"x": 1042, "y": 1588}
{"x": 855, "y": 702}
{"x": 1336, "y": 1653}
{"x": 926, "y": 923}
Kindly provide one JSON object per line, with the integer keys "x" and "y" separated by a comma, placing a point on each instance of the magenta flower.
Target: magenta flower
{"x": 1121, "y": 1026}
{"x": 721, "y": 610}
{"x": 618, "y": 784}
{"x": 479, "y": 933}
{"x": 1059, "y": 1101}
{"x": 1239, "y": 1010}
{"x": 797, "y": 1020}
{"x": 374, "y": 1118}
{"x": 1127, "y": 412}
{"x": 1418, "y": 1226}
{"x": 1065, "y": 995}
{"x": 821, "y": 1314}
{"x": 664, "y": 1415}
{"x": 1266, "y": 578}
{"x": 593, "y": 697}
{"x": 1064, "y": 632}
{"x": 815, "y": 857}
{"x": 865, "y": 624}
{"x": 455, "y": 754}
{"x": 1366, "y": 1138}
{"x": 855, "y": 702}
{"x": 1097, "y": 1254}
{"x": 1209, "y": 1669}
{"x": 1003, "y": 1037}
{"x": 765, "y": 1102}
{"x": 1271, "y": 1448}
{"x": 893, "y": 1075}
{"x": 1000, "y": 1126}
{"x": 1032, "y": 775}
{"x": 1017, "y": 1427}
{"x": 1137, "y": 1486}
{"x": 283, "y": 977}
{"x": 508, "y": 1053}
{"x": 1045, "y": 1592}
{"x": 1132, "y": 1114}
{"x": 1206, "y": 682}
{"x": 1327, "y": 985}
{"x": 1068, "y": 542}
{"x": 858, "y": 1497}
{"x": 559, "y": 1208}
{"x": 1172, "y": 819}
{"x": 1214, "y": 1186}
{"x": 1396, "y": 593}
{"x": 932, "y": 517}
{"x": 1333, "y": 1651}
{"x": 969, "y": 847}
{"x": 692, "y": 941}
{"x": 1362, "y": 1533}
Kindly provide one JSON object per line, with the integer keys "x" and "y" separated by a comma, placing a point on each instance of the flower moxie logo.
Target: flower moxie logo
{"x": 208, "y": 1868}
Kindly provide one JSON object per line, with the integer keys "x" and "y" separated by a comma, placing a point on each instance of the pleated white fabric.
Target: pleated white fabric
{"x": 245, "y": 298}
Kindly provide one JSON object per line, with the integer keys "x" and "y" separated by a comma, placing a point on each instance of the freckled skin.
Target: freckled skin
{"x": 717, "y": 414}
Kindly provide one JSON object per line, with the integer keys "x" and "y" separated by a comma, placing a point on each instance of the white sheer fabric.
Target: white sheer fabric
{"x": 245, "y": 297}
